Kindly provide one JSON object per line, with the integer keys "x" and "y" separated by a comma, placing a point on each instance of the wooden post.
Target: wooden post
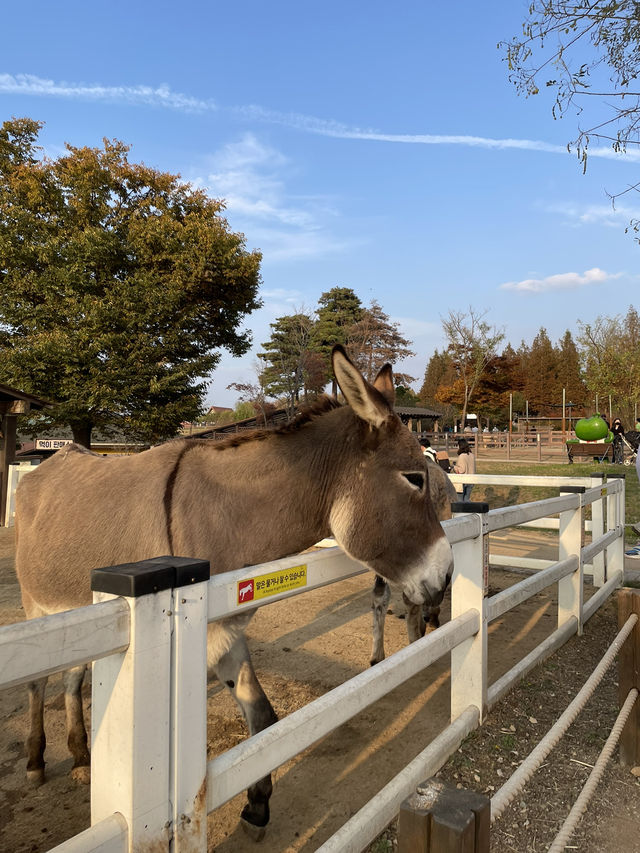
{"x": 439, "y": 818}
{"x": 7, "y": 456}
{"x": 629, "y": 676}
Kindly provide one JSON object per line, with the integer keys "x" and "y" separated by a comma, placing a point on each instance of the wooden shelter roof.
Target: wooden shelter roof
{"x": 9, "y": 395}
{"x": 416, "y": 412}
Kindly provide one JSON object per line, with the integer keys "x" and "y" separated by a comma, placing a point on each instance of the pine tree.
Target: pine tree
{"x": 338, "y": 309}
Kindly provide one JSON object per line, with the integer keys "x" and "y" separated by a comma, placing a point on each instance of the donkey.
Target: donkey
{"x": 418, "y": 617}
{"x": 348, "y": 471}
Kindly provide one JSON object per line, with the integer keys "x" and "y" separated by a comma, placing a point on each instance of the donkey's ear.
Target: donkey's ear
{"x": 384, "y": 383}
{"x": 365, "y": 400}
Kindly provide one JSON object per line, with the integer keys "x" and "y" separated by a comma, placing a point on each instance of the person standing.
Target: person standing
{"x": 427, "y": 450}
{"x": 618, "y": 447}
{"x": 465, "y": 464}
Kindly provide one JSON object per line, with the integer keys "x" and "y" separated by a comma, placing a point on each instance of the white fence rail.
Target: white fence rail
{"x": 151, "y": 784}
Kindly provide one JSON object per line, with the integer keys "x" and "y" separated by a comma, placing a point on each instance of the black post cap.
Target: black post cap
{"x": 147, "y": 576}
{"x": 469, "y": 506}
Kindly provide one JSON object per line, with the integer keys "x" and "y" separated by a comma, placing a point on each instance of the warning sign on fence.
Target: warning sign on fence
{"x": 262, "y": 586}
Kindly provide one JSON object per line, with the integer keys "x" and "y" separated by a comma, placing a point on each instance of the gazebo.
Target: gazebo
{"x": 409, "y": 414}
{"x": 12, "y": 404}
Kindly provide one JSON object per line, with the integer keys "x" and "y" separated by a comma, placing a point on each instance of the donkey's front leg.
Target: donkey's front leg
{"x": 415, "y": 620}
{"x": 380, "y": 597}
{"x": 235, "y": 670}
{"x": 431, "y": 616}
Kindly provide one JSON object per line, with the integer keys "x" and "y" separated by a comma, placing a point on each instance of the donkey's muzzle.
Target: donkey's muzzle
{"x": 429, "y": 584}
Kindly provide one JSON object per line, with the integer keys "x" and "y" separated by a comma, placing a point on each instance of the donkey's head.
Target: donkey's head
{"x": 382, "y": 513}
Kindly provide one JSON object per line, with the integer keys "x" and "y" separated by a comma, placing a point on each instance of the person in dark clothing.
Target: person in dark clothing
{"x": 618, "y": 447}
{"x": 428, "y": 451}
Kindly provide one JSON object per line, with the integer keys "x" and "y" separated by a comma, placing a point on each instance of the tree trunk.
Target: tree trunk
{"x": 82, "y": 434}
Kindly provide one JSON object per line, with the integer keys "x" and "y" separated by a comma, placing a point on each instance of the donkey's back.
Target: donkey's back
{"x": 79, "y": 511}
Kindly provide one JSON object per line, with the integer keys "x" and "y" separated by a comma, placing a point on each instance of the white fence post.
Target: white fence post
{"x": 469, "y": 587}
{"x": 570, "y": 589}
{"x": 616, "y": 518}
{"x": 189, "y": 715}
{"x": 132, "y": 755}
{"x": 15, "y": 473}
{"x": 597, "y": 530}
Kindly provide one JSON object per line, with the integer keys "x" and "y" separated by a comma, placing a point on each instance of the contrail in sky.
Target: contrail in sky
{"x": 162, "y": 96}
{"x": 309, "y": 124}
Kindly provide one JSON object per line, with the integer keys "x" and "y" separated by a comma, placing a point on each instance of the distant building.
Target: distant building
{"x": 414, "y": 418}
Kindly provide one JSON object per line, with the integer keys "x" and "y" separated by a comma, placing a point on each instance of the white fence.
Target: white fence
{"x": 151, "y": 783}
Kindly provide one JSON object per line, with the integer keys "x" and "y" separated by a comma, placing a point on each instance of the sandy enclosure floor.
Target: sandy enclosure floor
{"x": 301, "y": 649}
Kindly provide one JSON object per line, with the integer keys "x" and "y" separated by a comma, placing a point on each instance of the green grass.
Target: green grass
{"x": 497, "y": 496}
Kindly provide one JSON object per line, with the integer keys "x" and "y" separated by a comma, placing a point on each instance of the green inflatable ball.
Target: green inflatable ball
{"x": 592, "y": 429}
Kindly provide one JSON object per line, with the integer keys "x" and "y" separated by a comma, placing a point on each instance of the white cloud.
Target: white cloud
{"x": 412, "y": 327}
{"x": 561, "y": 281}
{"x": 250, "y": 176}
{"x": 247, "y": 176}
{"x": 278, "y": 301}
{"x": 595, "y": 214}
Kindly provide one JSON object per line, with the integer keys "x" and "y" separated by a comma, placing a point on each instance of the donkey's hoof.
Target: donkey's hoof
{"x": 255, "y": 833}
{"x": 35, "y": 778}
{"x": 82, "y": 774}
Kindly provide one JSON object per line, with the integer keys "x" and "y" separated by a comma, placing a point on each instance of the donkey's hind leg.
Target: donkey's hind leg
{"x": 36, "y": 740}
{"x": 380, "y": 597}
{"x": 76, "y": 731}
{"x": 235, "y": 670}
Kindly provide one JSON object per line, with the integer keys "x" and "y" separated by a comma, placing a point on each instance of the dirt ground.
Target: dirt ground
{"x": 306, "y": 646}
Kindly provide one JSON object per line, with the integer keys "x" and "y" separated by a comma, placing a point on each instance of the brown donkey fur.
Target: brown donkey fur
{"x": 351, "y": 471}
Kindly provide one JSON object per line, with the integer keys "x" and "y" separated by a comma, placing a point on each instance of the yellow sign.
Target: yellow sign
{"x": 274, "y": 583}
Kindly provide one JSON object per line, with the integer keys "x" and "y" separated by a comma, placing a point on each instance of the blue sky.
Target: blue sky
{"x": 364, "y": 144}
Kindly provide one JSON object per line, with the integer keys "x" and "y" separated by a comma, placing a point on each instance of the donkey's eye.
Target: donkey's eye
{"x": 415, "y": 479}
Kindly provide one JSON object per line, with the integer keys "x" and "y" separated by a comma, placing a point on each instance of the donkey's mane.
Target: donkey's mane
{"x": 307, "y": 414}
